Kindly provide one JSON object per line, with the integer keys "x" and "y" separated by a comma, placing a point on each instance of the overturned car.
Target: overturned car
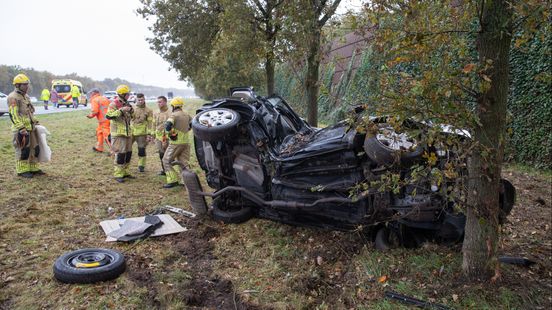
{"x": 264, "y": 161}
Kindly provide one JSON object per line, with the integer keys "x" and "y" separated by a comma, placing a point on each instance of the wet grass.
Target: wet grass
{"x": 270, "y": 265}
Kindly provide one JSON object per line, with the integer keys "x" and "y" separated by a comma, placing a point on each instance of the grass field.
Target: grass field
{"x": 255, "y": 265}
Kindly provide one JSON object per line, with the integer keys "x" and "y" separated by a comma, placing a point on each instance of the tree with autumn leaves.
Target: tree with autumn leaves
{"x": 443, "y": 62}
{"x": 446, "y": 62}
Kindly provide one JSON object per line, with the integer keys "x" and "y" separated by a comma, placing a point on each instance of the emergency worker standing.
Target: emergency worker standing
{"x": 99, "y": 106}
{"x": 45, "y": 96}
{"x": 159, "y": 119}
{"x": 142, "y": 120}
{"x": 75, "y": 95}
{"x": 177, "y": 127}
{"x": 25, "y": 137}
{"x": 54, "y": 98}
{"x": 119, "y": 113}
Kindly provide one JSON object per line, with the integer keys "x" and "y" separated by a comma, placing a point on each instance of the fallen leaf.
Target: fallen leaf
{"x": 454, "y": 297}
{"x": 468, "y": 68}
{"x": 382, "y": 279}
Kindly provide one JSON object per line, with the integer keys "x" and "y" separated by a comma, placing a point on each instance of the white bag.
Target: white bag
{"x": 45, "y": 154}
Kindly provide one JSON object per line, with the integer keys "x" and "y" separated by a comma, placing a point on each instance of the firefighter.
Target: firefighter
{"x": 25, "y": 137}
{"x": 99, "y": 105}
{"x": 159, "y": 119}
{"x": 177, "y": 126}
{"x": 142, "y": 120}
{"x": 119, "y": 113}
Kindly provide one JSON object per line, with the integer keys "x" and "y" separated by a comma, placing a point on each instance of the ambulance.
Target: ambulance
{"x": 63, "y": 88}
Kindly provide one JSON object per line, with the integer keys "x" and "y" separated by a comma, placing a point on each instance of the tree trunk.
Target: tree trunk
{"x": 269, "y": 68}
{"x": 311, "y": 81}
{"x": 482, "y": 231}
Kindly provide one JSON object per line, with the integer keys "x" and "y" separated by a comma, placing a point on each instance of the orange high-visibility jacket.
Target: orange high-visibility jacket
{"x": 99, "y": 108}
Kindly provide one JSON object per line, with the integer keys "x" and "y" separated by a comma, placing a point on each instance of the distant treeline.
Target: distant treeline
{"x": 43, "y": 79}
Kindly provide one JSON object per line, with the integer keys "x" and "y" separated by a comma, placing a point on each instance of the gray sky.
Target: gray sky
{"x": 95, "y": 38}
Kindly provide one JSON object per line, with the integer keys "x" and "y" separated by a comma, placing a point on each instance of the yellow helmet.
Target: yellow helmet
{"x": 123, "y": 89}
{"x": 177, "y": 102}
{"x": 21, "y": 79}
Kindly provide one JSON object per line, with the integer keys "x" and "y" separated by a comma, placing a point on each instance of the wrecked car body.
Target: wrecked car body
{"x": 264, "y": 161}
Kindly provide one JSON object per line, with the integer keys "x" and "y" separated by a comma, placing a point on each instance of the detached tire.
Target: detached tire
{"x": 89, "y": 266}
{"x": 232, "y": 216}
{"x": 215, "y": 124}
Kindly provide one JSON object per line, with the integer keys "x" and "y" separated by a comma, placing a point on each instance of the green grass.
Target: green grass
{"x": 269, "y": 264}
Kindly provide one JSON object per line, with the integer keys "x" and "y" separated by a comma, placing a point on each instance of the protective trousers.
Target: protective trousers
{"x": 161, "y": 149}
{"x": 26, "y": 152}
{"x": 102, "y": 134}
{"x": 122, "y": 147}
{"x": 142, "y": 142}
{"x": 178, "y": 152}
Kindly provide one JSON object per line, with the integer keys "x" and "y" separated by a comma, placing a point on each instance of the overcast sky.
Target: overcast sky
{"x": 95, "y": 38}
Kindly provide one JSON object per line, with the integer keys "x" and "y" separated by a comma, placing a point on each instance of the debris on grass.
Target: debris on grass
{"x": 179, "y": 211}
{"x": 170, "y": 226}
{"x": 414, "y": 301}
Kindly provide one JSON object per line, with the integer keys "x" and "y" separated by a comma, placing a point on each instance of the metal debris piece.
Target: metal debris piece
{"x": 179, "y": 211}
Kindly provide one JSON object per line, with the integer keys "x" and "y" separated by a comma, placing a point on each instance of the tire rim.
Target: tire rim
{"x": 216, "y": 118}
{"x": 89, "y": 260}
{"x": 395, "y": 141}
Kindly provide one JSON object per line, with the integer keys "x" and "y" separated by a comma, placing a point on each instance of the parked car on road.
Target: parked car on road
{"x": 264, "y": 161}
{"x": 3, "y": 104}
{"x": 110, "y": 94}
{"x": 132, "y": 97}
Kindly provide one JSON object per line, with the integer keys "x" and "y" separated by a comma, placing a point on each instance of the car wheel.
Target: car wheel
{"x": 89, "y": 266}
{"x": 231, "y": 216}
{"x": 215, "y": 124}
{"x": 388, "y": 147}
{"x": 386, "y": 239}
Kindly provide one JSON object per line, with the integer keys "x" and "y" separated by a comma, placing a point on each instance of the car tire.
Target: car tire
{"x": 386, "y": 156}
{"x": 386, "y": 239}
{"x": 234, "y": 216}
{"x": 71, "y": 266}
{"x": 215, "y": 124}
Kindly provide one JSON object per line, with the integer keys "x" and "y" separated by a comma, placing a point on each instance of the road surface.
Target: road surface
{"x": 39, "y": 109}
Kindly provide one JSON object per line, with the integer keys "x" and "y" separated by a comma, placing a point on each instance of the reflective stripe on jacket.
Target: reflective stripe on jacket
{"x": 142, "y": 120}
{"x": 159, "y": 120}
{"x": 181, "y": 126}
{"x": 99, "y": 106}
{"x": 21, "y": 111}
{"x": 120, "y": 121}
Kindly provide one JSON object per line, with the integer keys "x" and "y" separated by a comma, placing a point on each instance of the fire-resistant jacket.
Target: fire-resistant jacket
{"x": 142, "y": 120}
{"x": 21, "y": 111}
{"x": 159, "y": 120}
{"x": 99, "y": 106}
{"x": 180, "y": 126}
{"x": 120, "y": 121}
